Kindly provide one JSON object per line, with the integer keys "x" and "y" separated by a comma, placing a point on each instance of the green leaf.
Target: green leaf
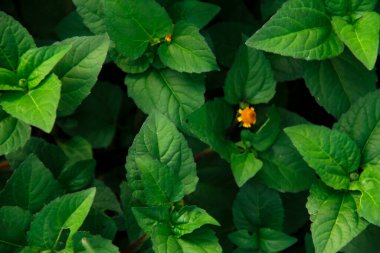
{"x": 338, "y": 7}
{"x": 244, "y": 240}
{"x": 31, "y": 186}
{"x": 187, "y": 51}
{"x": 274, "y": 241}
{"x": 15, "y": 41}
{"x": 79, "y": 69}
{"x": 37, "y": 63}
{"x": 105, "y": 199}
{"x": 162, "y": 240}
{"x": 92, "y": 13}
{"x": 266, "y": 135}
{"x": 96, "y": 118}
{"x": 367, "y": 241}
{"x": 369, "y": 203}
{"x": 361, "y": 36}
{"x": 36, "y": 107}
{"x": 283, "y": 167}
{"x": 300, "y": 29}
{"x": 71, "y": 26}
{"x": 127, "y": 201}
{"x": 210, "y": 122}
{"x": 76, "y": 149}
{"x": 50, "y": 155}
{"x": 201, "y": 240}
{"x": 319, "y": 193}
{"x": 244, "y": 167}
{"x": 174, "y": 94}
{"x": 257, "y": 206}
{"x": 195, "y": 12}
{"x": 149, "y": 217}
{"x": 14, "y": 133}
{"x": 345, "y": 7}
{"x": 161, "y": 184}
{"x": 78, "y": 175}
{"x": 190, "y": 218}
{"x": 335, "y": 221}
{"x": 84, "y": 242}
{"x": 332, "y": 154}
{"x": 64, "y": 213}
{"x": 132, "y": 25}
{"x": 286, "y": 68}
{"x": 159, "y": 138}
{"x": 250, "y": 78}
{"x": 26, "y": 250}
{"x": 343, "y": 78}
{"x": 362, "y": 124}
{"x": 154, "y": 60}
{"x": 99, "y": 223}
{"x": 14, "y": 222}
{"x": 128, "y": 65}
{"x": 8, "y": 80}
{"x": 362, "y": 5}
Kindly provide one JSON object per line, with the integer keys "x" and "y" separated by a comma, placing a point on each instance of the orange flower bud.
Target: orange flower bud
{"x": 168, "y": 38}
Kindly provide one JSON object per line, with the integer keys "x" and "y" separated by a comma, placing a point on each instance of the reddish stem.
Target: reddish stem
{"x": 4, "y": 165}
{"x": 131, "y": 248}
{"x": 203, "y": 153}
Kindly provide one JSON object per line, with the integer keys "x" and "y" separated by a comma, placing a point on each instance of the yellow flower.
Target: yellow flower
{"x": 247, "y": 116}
{"x": 168, "y": 38}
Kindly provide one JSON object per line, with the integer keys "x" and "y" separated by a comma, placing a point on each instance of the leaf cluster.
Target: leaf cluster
{"x": 189, "y": 126}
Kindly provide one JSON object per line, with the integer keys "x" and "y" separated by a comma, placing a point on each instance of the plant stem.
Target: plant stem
{"x": 131, "y": 248}
{"x": 203, "y": 153}
{"x": 4, "y": 165}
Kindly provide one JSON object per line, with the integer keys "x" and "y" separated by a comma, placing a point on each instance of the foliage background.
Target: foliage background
{"x": 86, "y": 150}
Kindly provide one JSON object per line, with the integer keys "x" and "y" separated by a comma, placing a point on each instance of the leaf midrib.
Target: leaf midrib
{"x": 335, "y": 221}
{"x": 278, "y": 165}
{"x": 296, "y": 32}
{"x": 7, "y": 59}
{"x": 327, "y": 154}
{"x": 369, "y": 137}
{"x": 354, "y": 32}
{"x": 189, "y": 50}
{"x": 166, "y": 82}
{"x": 64, "y": 226}
{"x": 158, "y": 185}
{"x": 38, "y": 107}
{"x": 80, "y": 61}
{"x": 341, "y": 82}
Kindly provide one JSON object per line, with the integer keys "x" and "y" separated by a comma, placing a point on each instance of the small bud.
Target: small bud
{"x": 22, "y": 82}
{"x": 168, "y": 38}
{"x": 354, "y": 176}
